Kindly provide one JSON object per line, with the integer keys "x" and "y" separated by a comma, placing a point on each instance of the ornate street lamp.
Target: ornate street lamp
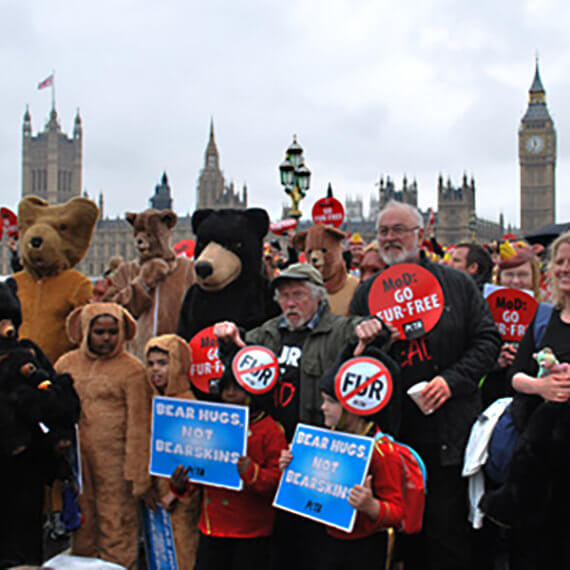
{"x": 295, "y": 176}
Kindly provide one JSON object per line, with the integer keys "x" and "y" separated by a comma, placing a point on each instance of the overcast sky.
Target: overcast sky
{"x": 370, "y": 87}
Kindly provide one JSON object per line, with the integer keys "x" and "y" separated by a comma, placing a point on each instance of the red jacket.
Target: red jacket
{"x": 248, "y": 513}
{"x": 386, "y": 468}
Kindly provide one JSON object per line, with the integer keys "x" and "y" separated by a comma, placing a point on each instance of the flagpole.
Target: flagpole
{"x": 53, "y": 89}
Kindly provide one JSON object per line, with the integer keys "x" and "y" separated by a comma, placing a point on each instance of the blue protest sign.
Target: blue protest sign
{"x": 159, "y": 539}
{"x": 326, "y": 465}
{"x": 206, "y": 438}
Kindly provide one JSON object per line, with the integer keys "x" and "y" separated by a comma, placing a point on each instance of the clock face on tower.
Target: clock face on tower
{"x": 534, "y": 144}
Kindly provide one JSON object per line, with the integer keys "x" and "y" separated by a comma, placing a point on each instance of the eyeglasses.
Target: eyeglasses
{"x": 398, "y": 230}
{"x": 294, "y": 295}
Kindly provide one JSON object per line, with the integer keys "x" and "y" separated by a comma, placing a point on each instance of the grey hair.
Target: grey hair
{"x": 392, "y": 204}
{"x": 318, "y": 292}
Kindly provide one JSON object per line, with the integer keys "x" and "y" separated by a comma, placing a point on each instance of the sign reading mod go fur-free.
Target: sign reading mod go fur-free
{"x": 512, "y": 310}
{"x": 408, "y": 297}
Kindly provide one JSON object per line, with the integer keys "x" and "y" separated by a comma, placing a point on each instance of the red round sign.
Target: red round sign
{"x": 205, "y": 365}
{"x": 363, "y": 385}
{"x": 185, "y": 247}
{"x": 408, "y": 297}
{"x": 328, "y": 211}
{"x": 279, "y": 228}
{"x": 512, "y": 310}
{"x": 9, "y": 223}
{"x": 256, "y": 369}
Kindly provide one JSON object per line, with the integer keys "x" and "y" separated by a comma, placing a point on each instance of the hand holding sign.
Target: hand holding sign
{"x": 366, "y": 332}
{"x": 362, "y": 499}
{"x": 227, "y": 331}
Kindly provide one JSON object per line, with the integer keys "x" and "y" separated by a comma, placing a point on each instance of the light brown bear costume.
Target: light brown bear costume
{"x": 53, "y": 240}
{"x": 152, "y": 288}
{"x": 323, "y": 248}
{"x": 113, "y": 429}
{"x": 186, "y": 511}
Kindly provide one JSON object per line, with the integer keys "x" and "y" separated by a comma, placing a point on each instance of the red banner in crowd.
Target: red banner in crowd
{"x": 328, "y": 211}
{"x": 279, "y": 228}
{"x": 408, "y": 297}
{"x": 512, "y": 310}
{"x": 205, "y": 365}
{"x": 185, "y": 247}
{"x": 9, "y": 223}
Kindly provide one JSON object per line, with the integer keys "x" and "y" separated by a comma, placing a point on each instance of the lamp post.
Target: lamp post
{"x": 473, "y": 226}
{"x": 295, "y": 176}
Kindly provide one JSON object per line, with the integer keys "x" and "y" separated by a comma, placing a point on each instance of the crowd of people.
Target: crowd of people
{"x": 461, "y": 357}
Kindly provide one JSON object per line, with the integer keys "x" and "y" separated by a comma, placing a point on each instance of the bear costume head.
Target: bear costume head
{"x": 54, "y": 238}
{"x": 21, "y": 367}
{"x": 228, "y": 245}
{"x": 152, "y": 230}
{"x": 229, "y": 284}
{"x": 10, "y": 313}
{"x": 322, "y": 245}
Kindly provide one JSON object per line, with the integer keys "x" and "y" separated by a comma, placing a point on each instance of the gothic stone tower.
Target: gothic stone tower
{"x": 537, "y": 157}
{"x": 212, "y": 192}
{"x": 455, "y": 207}
{"x": 51, "y": 161}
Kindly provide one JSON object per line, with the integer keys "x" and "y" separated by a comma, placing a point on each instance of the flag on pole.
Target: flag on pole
{"x": 47, "y": 82}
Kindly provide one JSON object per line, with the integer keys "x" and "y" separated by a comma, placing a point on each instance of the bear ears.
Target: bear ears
{"x": 257, "y": 219}
{"x": 326, "y": 231}
{"x": 76, "y": 321}
{"x": 167, "y": 217}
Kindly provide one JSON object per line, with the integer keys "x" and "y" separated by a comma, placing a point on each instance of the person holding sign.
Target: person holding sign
{"x": 168, "y": 360}
{"x": 534, "y": 499}
{"x": 379, "y": 502}
{"x": 235, "y": 526}
{"x": 449, "y": 341}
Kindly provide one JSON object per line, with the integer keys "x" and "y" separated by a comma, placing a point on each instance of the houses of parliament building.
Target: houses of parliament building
{"x": 52, "y": 169}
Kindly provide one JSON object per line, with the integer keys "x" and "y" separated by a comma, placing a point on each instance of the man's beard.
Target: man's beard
{"x": 395, "y": 255}
{"x": 295, "y": 327}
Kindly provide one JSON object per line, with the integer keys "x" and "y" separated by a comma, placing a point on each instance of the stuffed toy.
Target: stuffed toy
{"x": 548, "y": 363}
{"x": 153, "y": 286}
{"x": 53, "y": 240}
{"x": 323, "y": 247}
{"x": 228, "y": 266}
{"x": 38, "y": 410}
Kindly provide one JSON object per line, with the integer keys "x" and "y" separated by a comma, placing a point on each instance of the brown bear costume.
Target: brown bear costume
{"x": 323, "y": 248}
{"x": 152, "y": 288}
{"x": 113, "y": 429}
{"x": 53, "y": 240}
{"x": 185, "y": 512}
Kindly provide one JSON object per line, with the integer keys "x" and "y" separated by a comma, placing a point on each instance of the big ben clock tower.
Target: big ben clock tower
{"x": 537, "y": 157}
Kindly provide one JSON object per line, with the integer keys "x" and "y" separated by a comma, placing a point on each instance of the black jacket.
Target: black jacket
{"x": 464, "y": 346}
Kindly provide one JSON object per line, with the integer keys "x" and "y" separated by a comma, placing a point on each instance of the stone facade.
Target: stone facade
{"x": 537, "y": 158}
{"x": 51, "y": 161}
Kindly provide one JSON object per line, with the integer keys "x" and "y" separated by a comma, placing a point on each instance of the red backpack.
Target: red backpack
{"x": 413, "y": 484}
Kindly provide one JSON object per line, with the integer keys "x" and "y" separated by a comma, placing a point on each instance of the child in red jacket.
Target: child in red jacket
{"x": 235, "y": 526}
{"x": 379, "y": 502}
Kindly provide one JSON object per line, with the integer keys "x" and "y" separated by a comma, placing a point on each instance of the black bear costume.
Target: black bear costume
{"x": 38, "y": 410}
{"x": 228, "y": 265}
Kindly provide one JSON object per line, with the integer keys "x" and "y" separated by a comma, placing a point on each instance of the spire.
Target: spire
{"x": 536, "y": 86}
{"x": 27, "y": 128}
{"x": 212, "y": 156}
{"x": 536, "y": 110}
{"x": 77, "y": 129}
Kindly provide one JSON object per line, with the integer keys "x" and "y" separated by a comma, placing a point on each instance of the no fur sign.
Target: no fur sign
{"x": 256, "y": 369}
{"x": 363, "y": 385}
{"x": 408, "y": 297}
